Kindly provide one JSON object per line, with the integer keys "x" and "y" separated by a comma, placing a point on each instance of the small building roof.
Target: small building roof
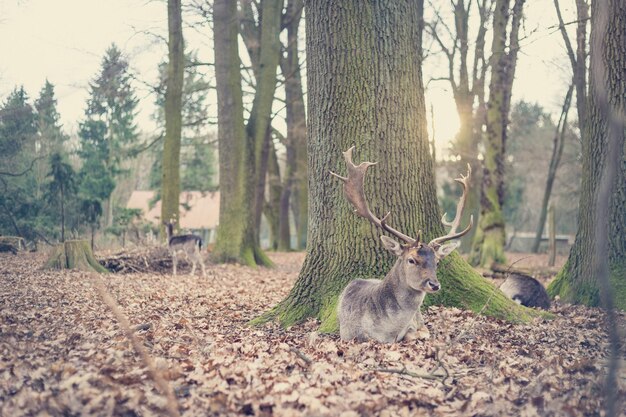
{"x": 198, "y": 209}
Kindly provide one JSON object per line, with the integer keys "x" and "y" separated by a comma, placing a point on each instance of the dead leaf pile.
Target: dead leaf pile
{"x": 64, "y": 354}
{"x": 150, "y": 259}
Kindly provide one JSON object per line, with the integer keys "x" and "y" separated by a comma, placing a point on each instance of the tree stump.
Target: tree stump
{"x": 74, "y": 254}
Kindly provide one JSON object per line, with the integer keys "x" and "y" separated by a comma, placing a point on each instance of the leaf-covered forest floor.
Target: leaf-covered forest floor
{"x": 63, "y": 353}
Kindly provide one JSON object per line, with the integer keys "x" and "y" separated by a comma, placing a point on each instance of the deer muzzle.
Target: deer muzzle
{"x": 432, "y": 286}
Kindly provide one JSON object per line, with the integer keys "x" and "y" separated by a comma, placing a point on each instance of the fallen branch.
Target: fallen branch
{"x": 406, "y": 372}
{"x": 161, "y": 383}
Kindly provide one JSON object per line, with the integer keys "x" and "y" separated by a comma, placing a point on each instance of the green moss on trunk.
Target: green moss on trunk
{"x": 587, "y": 292}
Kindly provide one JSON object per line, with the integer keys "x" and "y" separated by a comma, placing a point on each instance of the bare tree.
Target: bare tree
{"x": 467, "y": 84}
{"x": 577, "y": 58}
{"x": 558, "y": 144}
{"x": 248, "y": 166}
{"x": 489, "y": 240}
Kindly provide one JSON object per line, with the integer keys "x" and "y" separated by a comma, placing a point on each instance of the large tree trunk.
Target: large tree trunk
{"x": 74, "y": 254}
{"x": 373, "y": 99}
{"x": 235, "y": 190}
{"x": 170, "y": 185}
{"x": 488, "y": 245}
{"x": 578, "y": 281}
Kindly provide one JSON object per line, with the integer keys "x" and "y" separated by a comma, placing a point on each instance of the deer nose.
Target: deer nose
{"x": 434, "y": 285}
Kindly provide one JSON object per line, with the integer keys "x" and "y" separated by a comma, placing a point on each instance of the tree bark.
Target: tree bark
{"x": 489, "y": 240}
{"x": 577, "y": 282}
{"x": 365, "y": 89}
{"x": 74, "y": 254}
{"x": 170, "y": 185}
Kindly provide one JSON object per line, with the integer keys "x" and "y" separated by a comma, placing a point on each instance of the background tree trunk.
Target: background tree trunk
{"x": 577, "y": 281}
{"x": 578, "y": 58}
{"x": 555, "y": 160}
{"x": 170, "y": 185}
{"x": 74, "y": 254}
{"x": 296, "y": 125}
{"x": 468, "y": 86}
{"x": 62, "y": 215}
{"x": 258, "y": 127}
{"x": 489, "y": 240}
{"x": 373, "y": 99}
{"x": 235, "y": 192}
{"x": 272, "y": 206}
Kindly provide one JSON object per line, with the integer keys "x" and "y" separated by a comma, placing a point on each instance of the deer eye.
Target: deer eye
{"x": 412, "y": 261}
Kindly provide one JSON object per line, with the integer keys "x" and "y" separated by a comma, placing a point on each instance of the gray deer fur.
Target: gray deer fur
{"x": 526, "y": 291}
{"x": 189, "y": 246}
{"x": 389, "y": 310}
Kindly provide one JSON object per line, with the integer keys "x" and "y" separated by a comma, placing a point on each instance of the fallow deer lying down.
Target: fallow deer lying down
{"x": 389, "y": 310}
{"x": 526, "y": 291}
{"x": 188, "y": 245}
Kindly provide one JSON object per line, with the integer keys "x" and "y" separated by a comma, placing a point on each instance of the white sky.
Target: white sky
{"x": 64, "y": 40}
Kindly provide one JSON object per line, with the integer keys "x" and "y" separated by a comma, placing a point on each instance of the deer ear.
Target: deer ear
{"x": 445, "y": 250}
{"x": 391, "y": 245}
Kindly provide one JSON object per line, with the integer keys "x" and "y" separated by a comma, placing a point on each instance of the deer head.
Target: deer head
{"x": 417, "y": 261}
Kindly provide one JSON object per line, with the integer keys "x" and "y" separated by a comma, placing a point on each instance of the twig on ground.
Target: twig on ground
{"x": 301, "y": 355}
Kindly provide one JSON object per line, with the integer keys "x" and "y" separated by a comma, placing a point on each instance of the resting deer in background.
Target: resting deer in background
{"x": 389, "y": 310}
{"x": 186, "y": 245}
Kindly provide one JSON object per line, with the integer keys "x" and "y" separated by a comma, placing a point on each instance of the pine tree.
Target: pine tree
{"x": 50, "y": 136}
{"x": 108, "y": 132}
{"x": 18, "y": 206}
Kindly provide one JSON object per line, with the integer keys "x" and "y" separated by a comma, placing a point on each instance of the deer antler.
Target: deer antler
{"x": 464, "y": 181}
{"x": 353, "y": 189}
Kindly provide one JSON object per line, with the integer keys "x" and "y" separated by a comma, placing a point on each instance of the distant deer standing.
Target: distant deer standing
{"x": 187, "y": 245}
{"x": 389, "y": 310}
